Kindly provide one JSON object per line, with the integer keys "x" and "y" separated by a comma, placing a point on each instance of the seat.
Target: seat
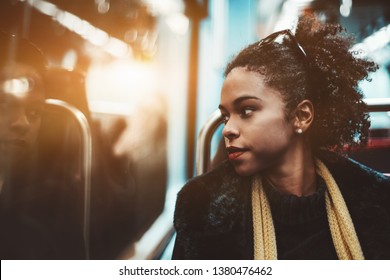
{"x": 377, "y": 152}
{"x": 53, "y": 149}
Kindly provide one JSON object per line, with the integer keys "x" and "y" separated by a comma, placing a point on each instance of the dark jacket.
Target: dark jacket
{"x": 213, "y": 215}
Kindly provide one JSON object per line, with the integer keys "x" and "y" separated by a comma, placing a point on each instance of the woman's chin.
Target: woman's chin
{"x": 243, "y": 170}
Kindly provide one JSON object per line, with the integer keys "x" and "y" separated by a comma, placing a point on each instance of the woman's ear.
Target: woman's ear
{"x": 304, "y": 115}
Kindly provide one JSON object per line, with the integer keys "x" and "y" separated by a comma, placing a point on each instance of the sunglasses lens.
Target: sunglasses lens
{"x": 279, "y": 38}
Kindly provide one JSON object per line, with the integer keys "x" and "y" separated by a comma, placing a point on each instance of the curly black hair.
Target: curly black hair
{"x": 326, "y": 73}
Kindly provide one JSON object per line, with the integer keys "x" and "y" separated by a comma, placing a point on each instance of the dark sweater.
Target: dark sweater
{"x": 301, "y": 224}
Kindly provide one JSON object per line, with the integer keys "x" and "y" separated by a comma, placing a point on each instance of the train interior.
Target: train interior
{"x": 130, "y": 86}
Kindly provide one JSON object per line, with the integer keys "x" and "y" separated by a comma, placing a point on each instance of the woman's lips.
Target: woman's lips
{"x": 17, "y": 142}
{"x": 235, "y": 155}
{"x": 235, "y": 152}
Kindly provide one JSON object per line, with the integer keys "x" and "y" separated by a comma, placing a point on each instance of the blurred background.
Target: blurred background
{"x": 147, "y": 75}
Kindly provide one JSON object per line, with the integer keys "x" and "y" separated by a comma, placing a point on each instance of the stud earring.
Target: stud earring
{"x": 299, "y": 130}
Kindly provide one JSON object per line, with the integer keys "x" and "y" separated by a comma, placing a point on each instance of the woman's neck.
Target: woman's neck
{"x": 295, "y": 174}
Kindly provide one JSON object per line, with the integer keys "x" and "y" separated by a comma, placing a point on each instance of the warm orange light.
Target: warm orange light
{"x": 120, "y": 85}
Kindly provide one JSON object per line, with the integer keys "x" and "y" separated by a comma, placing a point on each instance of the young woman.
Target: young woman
{"x": 291, "y": 105}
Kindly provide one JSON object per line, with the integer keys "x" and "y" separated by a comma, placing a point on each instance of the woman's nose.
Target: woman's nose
{"x": 230, "y": 131}
{"x": 20, "y": 123}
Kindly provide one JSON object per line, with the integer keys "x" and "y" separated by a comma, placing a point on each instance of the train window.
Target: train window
{"x": 377, "y": 153}
{"x": 129, "y": 84}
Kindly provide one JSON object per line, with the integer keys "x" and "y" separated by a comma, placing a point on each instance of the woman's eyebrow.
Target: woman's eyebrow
{"x": 243, "y": 98}
{"x": 239, "y": 100}
{"x": 220, "y": 107}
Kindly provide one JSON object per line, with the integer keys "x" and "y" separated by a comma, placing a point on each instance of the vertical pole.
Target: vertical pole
{"x": 26, "y": 21}
{"x": 195, "y": 11}
{"x": 192, "y": 96}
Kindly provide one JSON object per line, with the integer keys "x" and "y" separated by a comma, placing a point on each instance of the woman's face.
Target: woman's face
{"x": 257, "y": 133}
{"x": 21, "y": 103}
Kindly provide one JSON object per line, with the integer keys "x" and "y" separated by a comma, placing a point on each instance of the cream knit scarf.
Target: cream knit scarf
{"x": 341, "y": 226}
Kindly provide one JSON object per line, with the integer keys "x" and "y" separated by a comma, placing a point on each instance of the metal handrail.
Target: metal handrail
{"x": 215, "y": 120}
{"x": 204, "y": 142}
{"x": 87, "y": 163}
{"x": 378, "y": 104}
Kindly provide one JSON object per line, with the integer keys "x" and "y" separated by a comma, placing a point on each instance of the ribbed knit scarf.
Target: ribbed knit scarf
{"x": 341, "y": 226}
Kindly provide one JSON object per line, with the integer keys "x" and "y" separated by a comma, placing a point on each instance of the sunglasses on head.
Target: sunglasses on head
{"x": 278, "y": 37}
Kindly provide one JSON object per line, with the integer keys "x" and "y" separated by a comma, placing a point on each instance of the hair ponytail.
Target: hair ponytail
{"x": 333, "y": 77}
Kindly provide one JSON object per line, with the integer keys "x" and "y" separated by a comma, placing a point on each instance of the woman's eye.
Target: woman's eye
{"x": 246, "y": 112}
{"x": 225, "y": 119}
{"x": 34, "y": 114}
